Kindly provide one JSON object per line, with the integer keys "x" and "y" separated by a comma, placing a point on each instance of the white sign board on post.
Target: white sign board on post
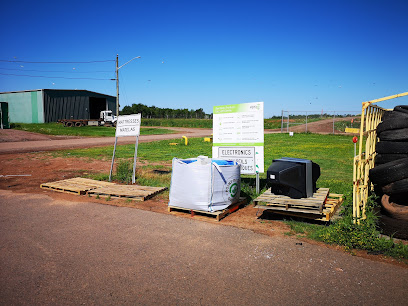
{"x": 240, "y": 126}
{"x": 128, "y": 125}
{"x": 245, "y": 156}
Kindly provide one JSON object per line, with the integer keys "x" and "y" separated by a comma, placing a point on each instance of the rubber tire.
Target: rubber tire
{"x": 401, "y": 108}
{"x": 386, "y": 158}
{"x": 392, "y": 124}
{"x": 396, "y": 187}
{"x": 78, "y": 124}
{"x": 392, "y": 209}
{"x": 69, "y": 124}
{"x": 399, "y": 198}
{"x": 390, "y": 172}
{"x": 392, "y": 115}
{"x": 393, "y": 227}
{"x": 390, "y": 147}
{"x": 394, "y": 135}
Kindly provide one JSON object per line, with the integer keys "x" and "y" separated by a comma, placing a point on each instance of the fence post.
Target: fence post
{"x": 287, "y": 126}
{"x": 306, "y": 122}
{"x": 334, "y": 117}
{"x": 282, "y": 123}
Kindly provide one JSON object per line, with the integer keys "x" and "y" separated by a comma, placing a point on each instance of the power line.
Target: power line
{"x": 54, "y": 77}
{"x": 27, "y": 62}
{"x": 35, "y": 70}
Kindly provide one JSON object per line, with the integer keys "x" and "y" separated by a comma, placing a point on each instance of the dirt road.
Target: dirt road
{"x": 14, "y": 141}
{"x": 62, "y": 252}
{"x": 320, "y": 127}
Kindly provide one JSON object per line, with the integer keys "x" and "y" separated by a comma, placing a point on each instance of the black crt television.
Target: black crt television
{"x": 293, "y": 177}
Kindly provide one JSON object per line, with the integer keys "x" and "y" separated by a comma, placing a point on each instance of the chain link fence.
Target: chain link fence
{"x": 330, "y": 122}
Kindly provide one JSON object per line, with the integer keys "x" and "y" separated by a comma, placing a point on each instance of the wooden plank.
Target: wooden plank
{"x": 320, "y": 194}
{"x": 75, "y": 185}
{"x": 81, "y": 186}
{"x": 217, "y": 214}
{"x": 313, "y": 203}
{"x": 132, "y": 192}
{"x": 334, "y": 207}
{"x": 328, "y": 209}
{"x": 302, "y": 215}
{"x": 299, "y": 210}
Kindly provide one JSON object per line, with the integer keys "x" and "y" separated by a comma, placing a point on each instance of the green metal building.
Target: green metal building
{"x": 50, "y": 105}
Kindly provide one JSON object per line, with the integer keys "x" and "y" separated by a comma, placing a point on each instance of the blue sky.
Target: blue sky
{"x": 293, "y": 55}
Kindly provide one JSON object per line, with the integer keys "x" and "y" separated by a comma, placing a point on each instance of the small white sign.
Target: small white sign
{"x": 128, "y": 125}
{"x": 245, "y": 156}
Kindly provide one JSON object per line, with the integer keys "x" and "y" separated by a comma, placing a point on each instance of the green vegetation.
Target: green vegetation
{"x": 207, "y": 123}
{"x": 365, "y": 236}
{"x": 333, "y": 153}
{"x": 90, "y": 131}
{"x": 157, "y": 151}
{"x": 124, "y": 171}
{"x": 190, "y": 123}
{"x": 101, "y": 131}
{"x": 342, "y": 125}
{"x": 158, "y": 112}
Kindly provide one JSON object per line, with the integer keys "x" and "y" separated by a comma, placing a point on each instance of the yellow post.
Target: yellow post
{"x": 185, "y": 140}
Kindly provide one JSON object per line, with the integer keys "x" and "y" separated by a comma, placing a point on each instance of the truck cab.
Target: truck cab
{"x": 107, "y": 117}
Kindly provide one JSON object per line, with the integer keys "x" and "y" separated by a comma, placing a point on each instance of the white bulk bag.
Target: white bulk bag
{"x": 204, "y": 184}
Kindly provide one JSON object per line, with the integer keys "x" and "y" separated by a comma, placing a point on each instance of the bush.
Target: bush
{"x": 365, "y": 236}
{"x": 124, "y": 171}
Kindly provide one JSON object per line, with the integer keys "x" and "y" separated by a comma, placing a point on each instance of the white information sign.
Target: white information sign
{"x": 128, "y": 125}
{"x": 245, "y": 156}
{"x": 240, "y": 126}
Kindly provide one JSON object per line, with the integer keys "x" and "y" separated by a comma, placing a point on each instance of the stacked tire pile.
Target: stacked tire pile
{"x": 390, "y": 174}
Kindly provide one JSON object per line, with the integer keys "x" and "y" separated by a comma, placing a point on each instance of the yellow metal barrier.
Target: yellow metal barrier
{"x": 352, "y": 130}
{"x": 370, "y": 117}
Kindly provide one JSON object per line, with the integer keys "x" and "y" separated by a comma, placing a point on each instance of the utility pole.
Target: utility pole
{"x": 117, "y": 80}
{"x": 117, "y": 85}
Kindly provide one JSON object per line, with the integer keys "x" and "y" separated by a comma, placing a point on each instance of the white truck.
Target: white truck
{"x": 106, "y": 118}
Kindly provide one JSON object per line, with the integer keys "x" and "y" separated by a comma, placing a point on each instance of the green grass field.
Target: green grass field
{"x": 334, "y": 154}
{"x": 100, "y": 131}
{"x": 207, "y": 123}
{"x": 87, "y": 131}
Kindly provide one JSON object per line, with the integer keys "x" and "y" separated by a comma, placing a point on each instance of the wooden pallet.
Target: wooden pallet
{"x": 77, "y": 185}
{"x": 282, "y": 202}
{"x": 217, "y": 214}
{"x": 132, "y": 192}
{"x": 326, "y": 212}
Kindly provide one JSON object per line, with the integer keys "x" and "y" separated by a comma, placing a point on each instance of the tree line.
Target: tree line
{"x": 158, "y": 112}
